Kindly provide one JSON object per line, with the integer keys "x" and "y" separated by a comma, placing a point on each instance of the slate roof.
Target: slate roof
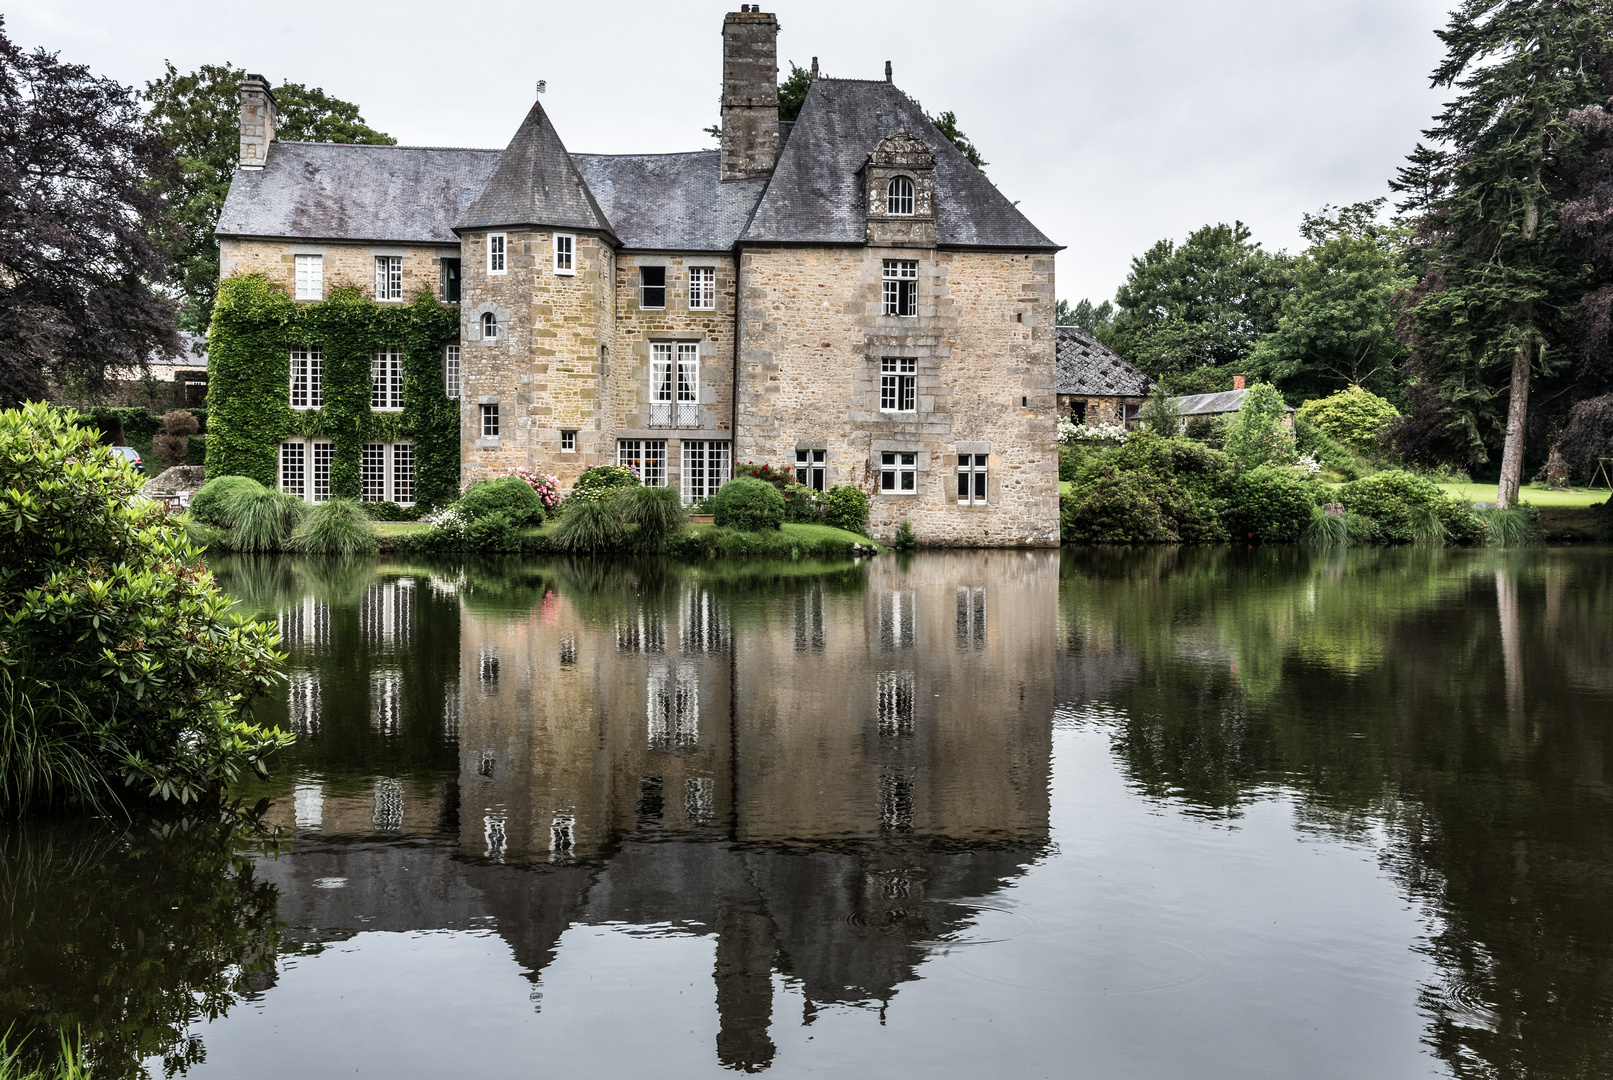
{"x": 670, "y": 202}
{"x": 1086, "y": 367}
{"x": 535, "y": 183}
{"x": 1227, "y": 401}
{"x": 815, "y": 193}
{"x": 334, "y": 191}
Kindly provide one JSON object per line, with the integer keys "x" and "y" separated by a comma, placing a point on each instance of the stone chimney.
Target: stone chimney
{"x": 1237, "y": 382}
{"x": 257, "y": 121}
{"x": 750, "y": 129}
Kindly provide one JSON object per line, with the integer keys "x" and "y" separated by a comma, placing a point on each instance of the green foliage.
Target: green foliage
{"x": 779, "y": 478}
{"x": 390, "y": 511}
{"x": 495, "y": 533}
{"x": 1070, "y": 458}
{"x": 1401, "y": 504}
{"x": 335, "y": 527}
{"x": 1203, "y": 380}
{"x": 50, "y": 748}
{"x": 749, "y": 505}
{"x": 906, "y": 538}
{"x": 1083, "y": 314}
{"x": 1309, "y": 439}
{"x": 1353, "y": 417}
{"x": 107, "y": 611}
{"x": 1148, "y": 490}
{"x": 1109, "y": 505}
{"x": 1516, "y": 526}
{"x": 1257, "y": 436}
{"x": 507, "y": 495}
{"x": 846, "y": 507}
{"x": 263, "y": 520}
{"x": 803, "y": 505}
{"x": 598, "y": 482}
{"x": 71, "y": 1062}
{"x": 655, "y": 513}
{"x": 1161, "y": 415}
{"x": 1326, "y": 530}
{"x": 590, "y": 526}
{"x": 792, "y": 92}
{"x": 1270, "y": 505}
{"x": 210, "y": 505}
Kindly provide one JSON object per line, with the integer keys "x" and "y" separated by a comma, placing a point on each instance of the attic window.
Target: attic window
{"x": 899, "y": 197}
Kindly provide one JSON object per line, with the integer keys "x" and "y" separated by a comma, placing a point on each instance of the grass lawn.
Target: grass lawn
{"x": 811, "y": 534}
{"x": 1531, "y": 493}
{"x": 398, "y": 528}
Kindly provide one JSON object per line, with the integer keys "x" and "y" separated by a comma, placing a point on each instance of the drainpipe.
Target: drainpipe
{"x": 739, "y": 322}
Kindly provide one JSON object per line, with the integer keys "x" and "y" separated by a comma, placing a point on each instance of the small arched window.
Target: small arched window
{"x": 489, "y": 326}
{"x": 899, "y": 197}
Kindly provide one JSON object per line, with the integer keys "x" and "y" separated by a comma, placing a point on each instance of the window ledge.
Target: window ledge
{"x": 488, "y": 442}
{"x": 388, "y": 408}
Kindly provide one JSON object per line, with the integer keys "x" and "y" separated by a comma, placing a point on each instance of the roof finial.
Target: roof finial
{"x": 887, "y": 71}
{"x": 543, "y": 84}
{"x": 814, "y": 69}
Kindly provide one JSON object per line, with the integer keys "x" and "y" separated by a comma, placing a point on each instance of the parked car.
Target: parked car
{"x": 132, "y": 456}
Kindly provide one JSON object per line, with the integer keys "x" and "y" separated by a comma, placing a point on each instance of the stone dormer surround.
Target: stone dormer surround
{"x": 900, "y": 155}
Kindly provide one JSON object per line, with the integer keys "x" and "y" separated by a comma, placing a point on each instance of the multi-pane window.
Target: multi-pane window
{"x": 565, "y": 253}
{"x": 489, "y": 326}
{"x": 705, "y": 467}
{"x": 495, "y": 253}
{"x": 674, "y": 384}
{"x": 385, "y": 472}
{"x": 971, "y": 621}
{"x": 898, "y": 384}
{"x": 386, "y": 379}
{"x": 901, "y": 287}
{"x": 372, "y": 472}
{"x": 702, "y": 288}
{"x": 402, "y": 473}
{"x": 809, "y": 468}
{"x": 899, "y": 197}
{"x": 647, "y": 457}
{"x": 894, "y": 703}
{"x": 450, "y": 281}
{"x": 898, "y": 472}
{"x": 652, "y": 287}
{"x": 568, "y": 442}
{"x": 450, "y": 371}
{"x": 323, "y": 453}
{"x": 389, "y": 277}
{"x": 307, "y": 364}
{"x": 972, "y": 478}
{"x": 489, "y": 421}
{"x": 292, "y": 468}
{"x": 310, "y": 277}
{"x": 898, "y": 619}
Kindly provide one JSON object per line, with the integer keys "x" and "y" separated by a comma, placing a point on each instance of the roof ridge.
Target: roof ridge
{"x": 388, "y": 146}
{"x": 653, "y": 153}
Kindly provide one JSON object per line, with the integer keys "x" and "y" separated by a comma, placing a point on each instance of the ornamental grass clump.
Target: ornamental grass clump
{"x": 1327, "y": 529}
{"x": 655, "y": 513}
{"x": 337, "y": 527}
{"x": 1516, "y": 526}
{"x": 590, "y": 527}
{"x": 210, "y": 505}
{"x": 263, "y": 520}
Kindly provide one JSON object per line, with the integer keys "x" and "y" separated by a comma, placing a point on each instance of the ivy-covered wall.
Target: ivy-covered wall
{"x": 255, "y": 326}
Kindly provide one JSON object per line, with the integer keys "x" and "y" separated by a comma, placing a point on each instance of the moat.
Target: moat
{"x": 1148, "y": 813}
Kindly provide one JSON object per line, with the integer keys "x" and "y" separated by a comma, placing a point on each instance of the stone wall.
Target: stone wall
{"x": 344, "y": 264}
{"x": 812, "y": 338}
{"x": 1100, "y": 409}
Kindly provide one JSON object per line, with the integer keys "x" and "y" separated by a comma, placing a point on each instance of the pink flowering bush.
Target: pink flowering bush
{"x": 547, "y": 487}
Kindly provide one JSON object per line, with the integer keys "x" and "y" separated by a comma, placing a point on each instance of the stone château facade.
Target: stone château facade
{"x": 844, "y": 295}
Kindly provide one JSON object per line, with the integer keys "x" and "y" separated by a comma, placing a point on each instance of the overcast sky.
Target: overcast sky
{"x": 1113, "y": 122}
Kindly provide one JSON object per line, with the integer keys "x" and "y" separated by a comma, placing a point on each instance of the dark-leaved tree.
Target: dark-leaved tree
{"x": 81, "y": 228}
{"x": 199, "y": 115}
{"x": 1084, "y": 314}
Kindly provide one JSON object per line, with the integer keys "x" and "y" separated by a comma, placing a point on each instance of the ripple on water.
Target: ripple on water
{"x": 1095, "y": 963}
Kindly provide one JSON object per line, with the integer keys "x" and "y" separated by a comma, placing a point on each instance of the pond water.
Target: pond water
{"x": 1103, "y": 813}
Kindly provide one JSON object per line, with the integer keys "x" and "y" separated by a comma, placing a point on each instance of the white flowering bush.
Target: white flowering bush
{"x": 1073, "y": 433}
{"x": 1308, "y": 464}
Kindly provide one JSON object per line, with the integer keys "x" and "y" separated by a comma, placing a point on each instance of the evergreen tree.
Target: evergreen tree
{"x": 1084, "y": 314}
{"x": 792, "y": 92}
{"x": 1499, "y": 288}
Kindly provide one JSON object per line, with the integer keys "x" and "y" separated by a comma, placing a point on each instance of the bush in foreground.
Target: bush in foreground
{"x": 263, "y": 520}
{"x": 598, "y": 482}
{"x": 507, "y": 495}
{"x": 336, "y": 527}
{"x": 749, "y": 505}
{"x": 846, "y": 507}
{"x": 655, "y": 513}
{"x": 1411, "y": 509}
{"x": 589, "y": 528}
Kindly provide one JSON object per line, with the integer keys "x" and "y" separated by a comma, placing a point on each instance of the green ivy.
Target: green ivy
{"x": 255, "y": 325}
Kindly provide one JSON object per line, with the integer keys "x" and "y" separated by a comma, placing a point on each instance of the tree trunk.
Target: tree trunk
{"x": 1517, "y": 412}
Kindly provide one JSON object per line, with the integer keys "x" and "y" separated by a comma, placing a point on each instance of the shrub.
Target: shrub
{"x": 906, "y": 538}
{"x": 391, "y": 511}
{"x": 173, "y": 445}
{"x": 1256, "y": 436}
{"x": 1109, "y": 505}
{"x": 749, "y": 505}
{"x": 495, "y": 533}
{"x": 1176, "y": 486}
{"x": 1401, "y": 505}
{"x": 1353, "y": 417}
{"x": 114, "y": 628}
{"x": 779, "y": 478}
{"x": 846, "y": 507}
{"x": 803, "y": 505}
{"x": 209, "y": 505}
{"x": 1270, "y": 505}
{"x": 1161, "y": 415}
{"x": 598, "y": 482}
{"x": 262, "y": 520}
{"x": 508, "y": 495}
{"x": 590, "y": 526}
{"x": 545, "y": 486}
{"x": 336, "y": 527}
{"x": 656, "y": 512}
{"x": 1312, "y": 440}
{"x": 1070, "y": 458}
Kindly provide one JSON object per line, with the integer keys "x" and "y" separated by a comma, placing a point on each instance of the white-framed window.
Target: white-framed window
{"x": 898, "y": 384}
{"x": 972, "y": 477}
{"x": 495, "y": 253}
{"x": 674, "y": 384}
{"x": 307, "y": 370}
{"x": 293, "y": 458}
{"x": 389, "y": 277}
{"x": 895, "y": 696}
{"x": 568, "y": 442}
{"x": 645, "y": 456}
{"x": 899, "y": 197}
{"x": 898, "y": 472}
{"x": 489, "y": 421}
{"x": 489, "y": 326}
{"x": 310, "y": 277}
{"x": 702, "y": 288}
{"x": 372, "y": 473}
{"x": 565, "y": 253}
{"x": 386, "y": 379}
{"x": 385, "y": 472}
{"x": 652, "y": 287}
{"x": 705, "y": 467}
{"x": 323, "y": 452}
{"x": 901, "y": 287}
{"x": 810, "y": 467}
{"x": 450, "y": 371}
{"x": 403, "y": 473}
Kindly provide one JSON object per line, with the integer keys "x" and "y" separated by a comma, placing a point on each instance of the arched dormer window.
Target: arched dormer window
{"x": 489, "y": 326}
{"x": 899, "y": 197}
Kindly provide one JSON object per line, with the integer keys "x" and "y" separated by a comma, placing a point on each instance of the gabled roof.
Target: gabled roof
{"x": 535, "y": 183}
{"x": 815, "y": 193}
{"x": 1227, "y": 401}
{"x": 339, "y": 191}
{"x": 1085, "y": 366}
{"x": 670, "y": 202}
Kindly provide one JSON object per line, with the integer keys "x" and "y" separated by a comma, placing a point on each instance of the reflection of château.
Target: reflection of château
{"x": 814, "y": 774}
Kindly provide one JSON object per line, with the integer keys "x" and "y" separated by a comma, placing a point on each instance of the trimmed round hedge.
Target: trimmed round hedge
{"x": 749, "y": 505}
{"x": 507, "y": 495}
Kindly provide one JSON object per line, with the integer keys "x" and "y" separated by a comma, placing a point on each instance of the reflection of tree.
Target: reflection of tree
{"x": 1456, "y": 700}
{"x": 129, "y": 935}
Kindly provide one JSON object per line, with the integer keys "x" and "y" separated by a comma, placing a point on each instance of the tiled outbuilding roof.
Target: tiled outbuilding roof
{"x": 535, "y": 183}
{"x": 670, "y": 202}
{"x": 1085, "y": 366}
{"x": 1227, "y": 401}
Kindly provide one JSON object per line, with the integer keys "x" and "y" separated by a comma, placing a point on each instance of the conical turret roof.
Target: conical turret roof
{"x": 536, "y": 184}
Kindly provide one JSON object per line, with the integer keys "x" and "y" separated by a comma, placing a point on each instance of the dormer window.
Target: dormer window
{"x": 489, "y": 326}
{"x": 899, "y": 197}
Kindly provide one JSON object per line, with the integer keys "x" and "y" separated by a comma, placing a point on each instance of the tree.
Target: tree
{"x": 792, "y": 92}
{"x": 947, "y": 125}
{"x": 1083, "y": 314}
{"x": 1257, "y": 436}
{"x": 1336, "y": 327}
{"x": 198, "y": 114}
{"x": 82, "y": 228}
{"x": 1354, "y": 417}
{"x": 1203, "y": 304}
{"x": 1499, "y": 288}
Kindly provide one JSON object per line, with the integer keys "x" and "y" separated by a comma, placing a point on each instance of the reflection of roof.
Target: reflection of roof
{"x": 1086, "y": 367}
{"x": 1227, "y": 401}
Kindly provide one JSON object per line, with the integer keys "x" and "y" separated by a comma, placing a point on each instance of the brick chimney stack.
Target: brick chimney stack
{"x": 257, "y": 121}
{"x": 1237, "y": 382}
{"x": 750, "y": 129}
